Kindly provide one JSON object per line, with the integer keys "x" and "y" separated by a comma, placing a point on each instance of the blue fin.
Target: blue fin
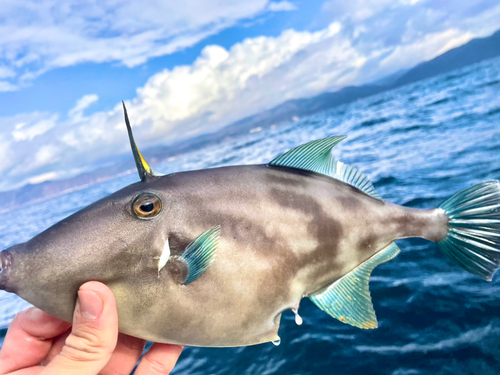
{"x": 316, "y": 156}
{"x": 348, "y": 299}
{"x": 473, "y": 239}
{"x": 200, "y": 253}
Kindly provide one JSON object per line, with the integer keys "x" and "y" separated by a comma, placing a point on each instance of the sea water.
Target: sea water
{"x": 418, "y": 144}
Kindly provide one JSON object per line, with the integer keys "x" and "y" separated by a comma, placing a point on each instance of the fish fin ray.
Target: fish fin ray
{"x": 200, "y": 254}
{"x": 348, "y": 299}
{"x": 143, "y": 168}
{"x": 316, "y": 156}
{"x": 473, "y": 239}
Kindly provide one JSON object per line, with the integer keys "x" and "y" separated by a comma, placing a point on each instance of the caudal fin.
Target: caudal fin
{"x": 473, "y": 239}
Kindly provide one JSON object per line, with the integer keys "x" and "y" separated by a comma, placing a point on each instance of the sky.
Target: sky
{"x": 190, "y": 67}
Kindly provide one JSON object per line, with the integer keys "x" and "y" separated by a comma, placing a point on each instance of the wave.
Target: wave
{"x": 467, "y": 338}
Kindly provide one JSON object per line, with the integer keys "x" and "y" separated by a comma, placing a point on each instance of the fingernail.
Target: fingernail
{"x": 34, "y": 313}
{"x": 90, "y": 304}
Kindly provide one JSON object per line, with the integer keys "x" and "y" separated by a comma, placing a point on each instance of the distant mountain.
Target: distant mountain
{"x": 38, "y": 192}
{"x": 470, "y": 53}
{"x": 390, "y": 79}
{"x": 301, "y": 107}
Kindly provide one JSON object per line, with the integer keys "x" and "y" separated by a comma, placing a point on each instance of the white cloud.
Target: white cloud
{"x": 7, "y": 86}
{"x": 225, "y": 85}
{"x": 429, "y": 47}
{"x": 46, "y": 154}
{"x": 83, "y": 103}
{"x": 399, "y": 34}
{"x": 358, "y": 10}
{"x": 39, "y": 35}
{"x": 43, "y": 177}
{"x": 27, "y": 127}
{"x": 281, "y": 6}
{"x": 255, "y": 74}
{"x": 21, "y": 138}
{"x": 6, "y": 72}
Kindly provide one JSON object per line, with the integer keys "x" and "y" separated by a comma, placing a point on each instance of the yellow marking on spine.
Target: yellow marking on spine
{"x": 143, "y": 161}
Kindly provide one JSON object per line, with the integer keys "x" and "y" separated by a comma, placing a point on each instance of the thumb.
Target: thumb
{"x": 94, "y": 334}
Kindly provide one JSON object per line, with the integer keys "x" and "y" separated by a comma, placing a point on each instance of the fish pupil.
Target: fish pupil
{"x": 147, "y": 207}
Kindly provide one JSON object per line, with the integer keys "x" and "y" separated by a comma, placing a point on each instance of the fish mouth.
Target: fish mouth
{"x": 5, "y": 263}
{"x": 4, "y": 259}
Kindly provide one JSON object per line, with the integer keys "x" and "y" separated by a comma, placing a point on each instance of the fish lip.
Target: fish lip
{"x": 5, "y": 266}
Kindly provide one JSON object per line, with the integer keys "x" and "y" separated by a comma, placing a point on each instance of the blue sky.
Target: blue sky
{"x": 113, "y": 81}
{"x": 194, "y": 66}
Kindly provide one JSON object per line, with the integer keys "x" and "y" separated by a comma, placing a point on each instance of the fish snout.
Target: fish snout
{"x": 5, "y": 266}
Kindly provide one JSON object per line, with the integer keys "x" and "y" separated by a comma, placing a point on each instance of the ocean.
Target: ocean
{"x": 418, "y": 144}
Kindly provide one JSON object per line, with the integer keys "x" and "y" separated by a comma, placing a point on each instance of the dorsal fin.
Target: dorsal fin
{"x": 316, "y": 156}
{"x": 143, "y": 168}
{"x": 348, "y": 299}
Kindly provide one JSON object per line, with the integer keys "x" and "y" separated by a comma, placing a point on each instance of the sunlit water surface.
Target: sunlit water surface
{"x": 418, "y": 144}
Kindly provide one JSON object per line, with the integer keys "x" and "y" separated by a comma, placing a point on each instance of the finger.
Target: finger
{"x": 94, "y": 334}
{"x": 159, "y": 359}
{"x": 57, "y": 345}
{"x": 125, "y": 357}
{"x": 29, "y": 339}
{"x": 28, "y": 371}
{"x": 35, "y": 370}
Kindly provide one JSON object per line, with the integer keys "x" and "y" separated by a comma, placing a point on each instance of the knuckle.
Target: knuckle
{"x": 156, "y": 367}
{"x": 131, "y": 343}
{"x": 85, "y": 344}
{"x": 116, "y": 372}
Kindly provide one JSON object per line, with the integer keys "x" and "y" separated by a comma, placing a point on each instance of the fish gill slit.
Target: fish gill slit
{"x": 165, "y": 255}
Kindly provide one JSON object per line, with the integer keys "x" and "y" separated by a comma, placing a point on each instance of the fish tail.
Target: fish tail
{"x": 473, "y": 239}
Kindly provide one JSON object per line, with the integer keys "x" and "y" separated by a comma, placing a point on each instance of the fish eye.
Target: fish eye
{"x": 146, "y": 206}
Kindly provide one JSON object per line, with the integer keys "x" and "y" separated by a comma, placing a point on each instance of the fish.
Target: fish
{"x": 214, "y": 257}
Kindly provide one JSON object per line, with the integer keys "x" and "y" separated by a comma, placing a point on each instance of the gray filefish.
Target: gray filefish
{"x": 213, "y": 257}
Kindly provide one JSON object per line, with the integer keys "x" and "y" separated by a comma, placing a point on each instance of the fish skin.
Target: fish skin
{"x": 286, "y": 234}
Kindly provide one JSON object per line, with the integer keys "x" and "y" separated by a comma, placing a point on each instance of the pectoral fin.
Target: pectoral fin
{"x": 348, "y": 299}
{"x": 199, "y": 255}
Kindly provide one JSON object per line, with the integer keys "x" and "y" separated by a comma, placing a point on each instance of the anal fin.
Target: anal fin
{"x": 348, "y": 299}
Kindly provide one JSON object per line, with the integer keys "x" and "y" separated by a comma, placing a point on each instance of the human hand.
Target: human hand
{"x": 37, "y": 343}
